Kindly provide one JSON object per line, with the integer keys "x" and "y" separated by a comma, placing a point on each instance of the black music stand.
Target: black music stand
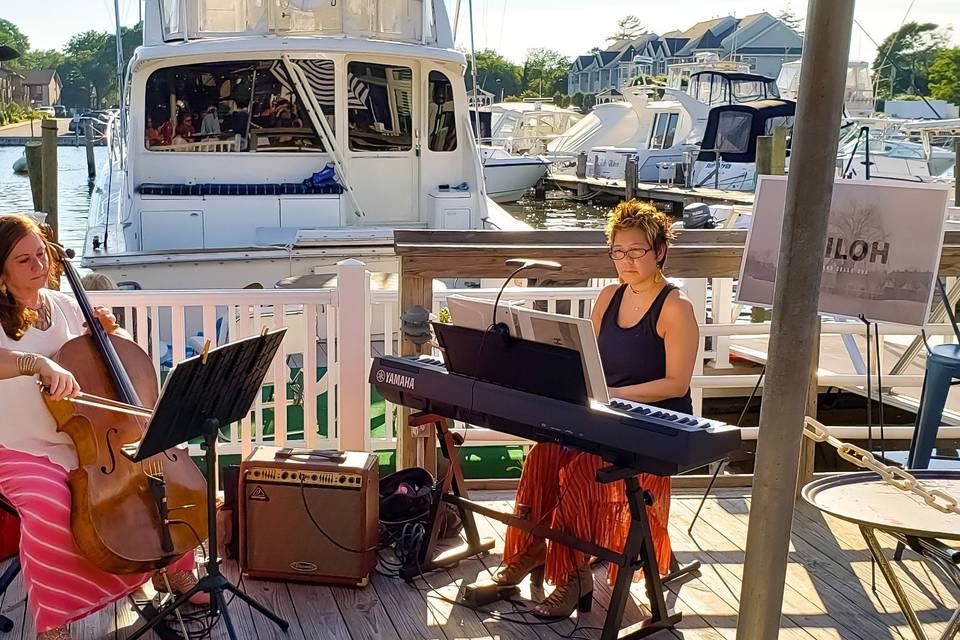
{"x": 202, "y": 394}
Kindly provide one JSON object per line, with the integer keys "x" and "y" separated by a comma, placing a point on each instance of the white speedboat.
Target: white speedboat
{"x": 509, "y": 176}
{"x": 661, "y": 132}
{"x": 267, "y": 140}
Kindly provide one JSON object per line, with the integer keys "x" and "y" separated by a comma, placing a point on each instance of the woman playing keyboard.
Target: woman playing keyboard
{"x": 648, "y": 338}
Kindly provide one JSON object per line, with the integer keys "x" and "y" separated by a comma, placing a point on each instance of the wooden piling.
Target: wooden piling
{"x": 91, "y": 162}
{"x": 630, "y": 178}
{"x": 764, "y": 155}
{"x": 778, "y": 162}
{"x": 540, "y": 190}
{"x": 48, "y": 132}
{"x": 582, "y": 173}
{"x": 35, "y": 169}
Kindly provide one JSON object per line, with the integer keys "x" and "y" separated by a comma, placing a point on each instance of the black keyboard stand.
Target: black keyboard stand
{"x": 452, "y": 485}
{"x": 638, "y": 552}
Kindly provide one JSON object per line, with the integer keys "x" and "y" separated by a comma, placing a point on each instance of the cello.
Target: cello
{"x": 126, "y": 517}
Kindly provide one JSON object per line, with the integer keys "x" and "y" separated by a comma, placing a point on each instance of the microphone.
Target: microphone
{"x": 521, "y": 264}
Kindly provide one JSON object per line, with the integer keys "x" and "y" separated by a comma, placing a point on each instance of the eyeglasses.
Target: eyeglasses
{"x": 636, "y": 254}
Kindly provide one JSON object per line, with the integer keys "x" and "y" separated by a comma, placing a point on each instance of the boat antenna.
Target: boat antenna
{"x": 481, "y": 188}
{"x": 120, "y": 74}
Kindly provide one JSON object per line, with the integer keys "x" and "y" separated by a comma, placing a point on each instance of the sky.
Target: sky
{"x": 514, "y": 26}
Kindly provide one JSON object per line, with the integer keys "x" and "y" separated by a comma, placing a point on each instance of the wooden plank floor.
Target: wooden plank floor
{"x": 827, "y": 593}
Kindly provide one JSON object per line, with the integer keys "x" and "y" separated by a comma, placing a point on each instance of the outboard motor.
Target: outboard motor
{"x": 698, "y": 216}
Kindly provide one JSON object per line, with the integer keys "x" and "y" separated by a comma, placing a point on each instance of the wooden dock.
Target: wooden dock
{"x": 828, "y": 592}
{"x": 678, "y": 197}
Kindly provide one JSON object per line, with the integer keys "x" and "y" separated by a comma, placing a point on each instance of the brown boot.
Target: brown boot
{"x": 530, "y": 562}
{"x": 60, "y": 633}
{"x": 577, "y": 593}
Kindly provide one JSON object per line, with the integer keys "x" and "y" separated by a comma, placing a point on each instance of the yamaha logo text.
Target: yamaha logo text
{"x": 397, "y": 380}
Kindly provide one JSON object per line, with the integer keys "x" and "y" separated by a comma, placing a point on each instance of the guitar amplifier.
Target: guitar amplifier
{"x": 309, "y": 516}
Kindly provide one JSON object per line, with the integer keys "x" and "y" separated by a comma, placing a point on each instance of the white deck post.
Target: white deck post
{"x": 722, "y": 312}
{"x": 353, "y": 349}
{"x": 696, "y": 290}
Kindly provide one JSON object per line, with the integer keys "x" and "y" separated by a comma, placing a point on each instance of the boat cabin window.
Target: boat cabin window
{"x": 664, "y": 130}
{"x": 733, "y": 132}
{"x": 443, "y": 114}
{"x": 778, "y": 122}
{"x": 240, "y": 106}
{"x": 379, "y": 107}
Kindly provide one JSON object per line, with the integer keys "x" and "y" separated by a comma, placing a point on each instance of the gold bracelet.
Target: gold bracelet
{"x": 28, "y": 364}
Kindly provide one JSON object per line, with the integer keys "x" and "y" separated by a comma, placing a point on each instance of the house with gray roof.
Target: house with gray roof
{"x": 760, "y": 39}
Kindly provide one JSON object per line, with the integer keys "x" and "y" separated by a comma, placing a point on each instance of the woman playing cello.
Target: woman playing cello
{"x": 35, "y": 458}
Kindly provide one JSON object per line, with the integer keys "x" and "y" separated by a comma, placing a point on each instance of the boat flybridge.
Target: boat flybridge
{"x": 264, "y": 139}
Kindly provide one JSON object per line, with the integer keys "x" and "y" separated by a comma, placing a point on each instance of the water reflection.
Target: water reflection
{"x": 74, "y": 190}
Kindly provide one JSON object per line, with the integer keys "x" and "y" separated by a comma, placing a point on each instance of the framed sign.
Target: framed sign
{"x": 882, "y": 252}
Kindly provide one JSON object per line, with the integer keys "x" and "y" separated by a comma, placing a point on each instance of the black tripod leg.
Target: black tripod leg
{"x": 225, "y": 613}
{"x": 720, "y": 468}
{"x": 274, "y": 618}
{"x": 165, "y": 612}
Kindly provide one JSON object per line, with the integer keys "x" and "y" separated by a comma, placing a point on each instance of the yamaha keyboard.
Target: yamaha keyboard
{"x": 624, "y": 433}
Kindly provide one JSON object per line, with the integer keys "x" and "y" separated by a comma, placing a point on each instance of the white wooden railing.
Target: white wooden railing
{"x": 334, "y": 333}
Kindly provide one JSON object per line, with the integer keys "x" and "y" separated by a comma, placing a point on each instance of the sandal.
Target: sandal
{"x": 60, "y": 633}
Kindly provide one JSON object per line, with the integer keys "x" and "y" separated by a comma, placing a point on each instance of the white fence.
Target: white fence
{"x": 319, "y": 376}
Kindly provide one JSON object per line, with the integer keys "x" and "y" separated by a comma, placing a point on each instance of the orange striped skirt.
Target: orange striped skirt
{"x": 559, "y": 487}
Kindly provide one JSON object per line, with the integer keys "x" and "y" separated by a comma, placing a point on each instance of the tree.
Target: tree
{"x": 545, "y": 71}
{"x": 945, "y": 76}
{"x": 904, "y": 58}
{"x": 789, "y": 18}
{"x": 130, "y": 39}
{"x": 38, "y": 59}
{"x": 11, "y": 36}
{"x": 628, "y": 28}
{"x": 86, "y": 80}
{"x": 495, "y": 74}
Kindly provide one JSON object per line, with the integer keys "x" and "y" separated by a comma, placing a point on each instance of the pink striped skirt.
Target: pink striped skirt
{"x": 61, "y": 585}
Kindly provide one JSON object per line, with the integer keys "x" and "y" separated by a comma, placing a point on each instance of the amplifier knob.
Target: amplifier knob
{"x": 314, "y": 477}
{"x": 256, "y": 473}
{"x": 343, "y": 479}
{"x": 283, "y": 476}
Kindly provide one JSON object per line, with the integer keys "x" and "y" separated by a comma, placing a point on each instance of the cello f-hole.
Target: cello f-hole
{"x": 113, "y": 459}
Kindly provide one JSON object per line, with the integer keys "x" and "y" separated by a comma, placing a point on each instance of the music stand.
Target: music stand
{"x": 202, "y": 394}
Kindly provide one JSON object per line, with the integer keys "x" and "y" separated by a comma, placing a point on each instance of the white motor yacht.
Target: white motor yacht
{"x": 264, "y": 140}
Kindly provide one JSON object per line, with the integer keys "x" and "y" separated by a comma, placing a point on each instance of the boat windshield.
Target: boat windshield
{"x": 401, "y": 20}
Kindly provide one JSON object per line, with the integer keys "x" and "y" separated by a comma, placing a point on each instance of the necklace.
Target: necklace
{"x": 44, "y": 319}
{"x": 635, "y": 292}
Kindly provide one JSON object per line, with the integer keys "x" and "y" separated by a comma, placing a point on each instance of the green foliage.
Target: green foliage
{"x": 12, "y": 113}
{"x": 39, "y": 59}
{"x": 11, "y": 36}
{"x": 87, "y": 65}
{"x": 495, "y": 74}
{"x": 545, "y": 71}
{"x": 945, "y": 76}
{"x": 912, "y": 50}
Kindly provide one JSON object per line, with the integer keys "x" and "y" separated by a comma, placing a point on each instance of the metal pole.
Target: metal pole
{"x": 793, "y": 333}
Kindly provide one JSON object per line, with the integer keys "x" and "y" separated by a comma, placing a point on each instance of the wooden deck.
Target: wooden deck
{"x": 678, "y": 195}
{"x": 827, "y": 595}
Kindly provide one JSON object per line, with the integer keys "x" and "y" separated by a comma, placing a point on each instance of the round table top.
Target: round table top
{"x": 863, "y": 498}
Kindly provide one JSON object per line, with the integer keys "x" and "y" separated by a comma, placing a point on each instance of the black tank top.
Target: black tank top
{"x": 637, "y": 354}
